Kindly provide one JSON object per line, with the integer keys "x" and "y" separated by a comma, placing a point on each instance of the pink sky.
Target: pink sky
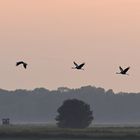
{"x": 51, "y": 34}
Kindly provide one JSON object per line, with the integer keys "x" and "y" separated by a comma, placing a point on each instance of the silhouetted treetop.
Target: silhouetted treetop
{"x": 74, "y": 114}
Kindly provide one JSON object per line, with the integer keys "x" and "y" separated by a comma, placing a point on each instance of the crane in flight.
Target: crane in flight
{"x": 79, "y": 67}
{"x": 123, "y": 71}
{"x": 22, "y": 63}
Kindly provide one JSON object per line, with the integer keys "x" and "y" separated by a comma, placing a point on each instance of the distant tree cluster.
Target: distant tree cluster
{"x": 74, "y": 114}
{"x": 41, "y": 104}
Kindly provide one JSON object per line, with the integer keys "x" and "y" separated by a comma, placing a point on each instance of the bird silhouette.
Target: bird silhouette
{"x": 123, "y": 71}
{"x": 79, "y": 67}
{"x": 22, "y": 63}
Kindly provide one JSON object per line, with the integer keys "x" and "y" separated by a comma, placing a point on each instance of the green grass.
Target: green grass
{"x": 32, "y": 131}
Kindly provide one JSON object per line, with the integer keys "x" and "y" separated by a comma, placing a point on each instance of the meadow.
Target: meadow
{"x": 52, "y": 133}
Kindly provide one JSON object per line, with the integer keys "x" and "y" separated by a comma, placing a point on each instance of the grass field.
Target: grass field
{"x": 31, "y": 131}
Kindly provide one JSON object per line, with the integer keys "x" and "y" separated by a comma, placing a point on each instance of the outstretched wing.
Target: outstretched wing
{"x": 25, "y": 65}
{"x": 18, "y": 63}
{"x": 81, "y": 65}
{"x": 125, "y": 70}
{"x": 75, "y": 64}
{"x": 121, "y": 69}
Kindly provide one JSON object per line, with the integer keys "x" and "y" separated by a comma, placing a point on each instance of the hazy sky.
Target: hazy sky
{"x": 51, "y": 34}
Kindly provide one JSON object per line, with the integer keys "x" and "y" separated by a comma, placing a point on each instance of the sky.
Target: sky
{"x": 50, "y": 34}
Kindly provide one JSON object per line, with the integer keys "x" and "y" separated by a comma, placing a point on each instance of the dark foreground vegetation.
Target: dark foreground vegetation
{"x": 24, "y": 131}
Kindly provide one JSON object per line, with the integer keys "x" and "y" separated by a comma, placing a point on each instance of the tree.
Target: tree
{"x": 74, "y": 114}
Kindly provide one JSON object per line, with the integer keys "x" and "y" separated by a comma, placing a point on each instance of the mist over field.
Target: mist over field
{"x": 40, "y": 105}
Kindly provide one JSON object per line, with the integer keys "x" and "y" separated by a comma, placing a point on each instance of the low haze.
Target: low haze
{"x": 40, "y": 105}
{"x": 50, "y": 35}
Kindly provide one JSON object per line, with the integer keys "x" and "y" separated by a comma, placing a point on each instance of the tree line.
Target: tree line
{"x": 41, "y": 105}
